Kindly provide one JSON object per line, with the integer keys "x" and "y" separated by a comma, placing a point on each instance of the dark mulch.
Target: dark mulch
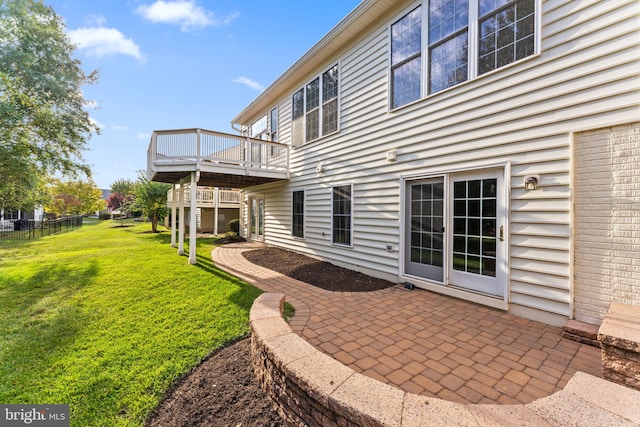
{"x": 222, "y": 390}
{"x": 317, "y": 273}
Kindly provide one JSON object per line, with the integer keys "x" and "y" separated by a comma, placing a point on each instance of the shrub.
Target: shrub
{"x": 104, "y": 216}
{"x": 234, "y": 225}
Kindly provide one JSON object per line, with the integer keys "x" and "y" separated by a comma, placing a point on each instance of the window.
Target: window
{"x": 273, "y": 124}
{"x": 297, "y": 109}
{"x": 506, "y": 32}
{"x": 330, "y": 100}
{"x": 500, "y": 32}
{"x": 341, "y": 216}
{"x": 258, "y": 127}
{"x": 315, "y": 108}
{"x": 448, "y": 43}
{"x": 312, "y": 104}
{"x": 406, "y": 35}
{"x": 297, "y": 213}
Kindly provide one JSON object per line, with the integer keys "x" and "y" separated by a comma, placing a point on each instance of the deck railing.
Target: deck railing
{"x": 206, "y": 197}
{"x": 199, "y": 145}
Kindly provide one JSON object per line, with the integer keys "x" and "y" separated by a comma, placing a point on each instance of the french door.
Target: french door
{"x": 455, "y": 231}
{"x": 256, "y": 218}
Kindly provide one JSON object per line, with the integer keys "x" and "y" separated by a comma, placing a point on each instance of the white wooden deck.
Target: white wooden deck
{"x": 222, "y": 160}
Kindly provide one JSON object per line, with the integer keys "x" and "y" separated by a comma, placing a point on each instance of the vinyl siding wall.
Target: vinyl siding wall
{"x": 522, "y": 115}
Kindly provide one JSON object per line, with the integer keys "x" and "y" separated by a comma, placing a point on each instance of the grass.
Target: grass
{"x": 106, "y": 318}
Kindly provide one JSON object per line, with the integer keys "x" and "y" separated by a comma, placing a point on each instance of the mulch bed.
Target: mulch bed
{"x": 317, "y": 273}
{"x": 222, "y": 390}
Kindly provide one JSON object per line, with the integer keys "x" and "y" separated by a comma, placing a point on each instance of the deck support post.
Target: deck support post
{"x": 193, "y": 221}
{"x": 216, "y": 201}
{"x": 181, "y": 219}
{"x": 174, "y": 204}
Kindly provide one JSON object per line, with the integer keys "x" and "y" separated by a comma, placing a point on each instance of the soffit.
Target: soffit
{"x": 366, "y": 14}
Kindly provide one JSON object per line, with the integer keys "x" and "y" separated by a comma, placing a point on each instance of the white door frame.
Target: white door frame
{"x": 494, "y": 286}
{"x": 445, "y": 287}
{"x": 255, "y": 226}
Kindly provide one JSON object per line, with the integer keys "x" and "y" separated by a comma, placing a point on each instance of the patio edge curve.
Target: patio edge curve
{"x": 312, "y": 389}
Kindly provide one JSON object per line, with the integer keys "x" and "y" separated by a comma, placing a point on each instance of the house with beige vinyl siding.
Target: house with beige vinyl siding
{"x": 484, "y": 149}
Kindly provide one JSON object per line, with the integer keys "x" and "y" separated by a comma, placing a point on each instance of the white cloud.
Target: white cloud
{"x": 144, "y": 136}
{"x": 183, "y": 12}
{"x": 102, "y": 41}
{"x": 95, "y": 20}
{"x": 248, "y": 82}
{"x": 119, "y": 128}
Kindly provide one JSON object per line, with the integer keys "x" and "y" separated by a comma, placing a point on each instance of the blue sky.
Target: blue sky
{"x": 169, "y": 64}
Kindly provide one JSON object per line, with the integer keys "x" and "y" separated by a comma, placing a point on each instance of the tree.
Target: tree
{"x": 151, "y": 199}
{"x": 115, "y": 201}
{"x": 43, "y": 124}
{"x": 21, "y": 186}
{"x": 123, "y": 186}
{"x": 122, "y": 195}
{"x": 74, "y": 197}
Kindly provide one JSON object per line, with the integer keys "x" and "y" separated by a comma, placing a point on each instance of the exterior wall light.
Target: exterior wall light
{"x": 531, "y": 182}
{"x": 392, "y": 155}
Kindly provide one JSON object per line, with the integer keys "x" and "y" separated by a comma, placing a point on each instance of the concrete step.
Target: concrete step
{"x": 590, "y": 401}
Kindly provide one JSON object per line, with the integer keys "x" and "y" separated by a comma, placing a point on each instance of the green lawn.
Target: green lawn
{"x": 105, "y": 318}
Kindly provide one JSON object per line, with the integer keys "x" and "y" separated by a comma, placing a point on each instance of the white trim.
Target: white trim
{"x": 572, "y": 220}
{"x": 457, "y": 293}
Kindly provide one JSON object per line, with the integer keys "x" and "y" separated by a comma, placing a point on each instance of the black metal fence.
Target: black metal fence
{"x": 28, "y": 229}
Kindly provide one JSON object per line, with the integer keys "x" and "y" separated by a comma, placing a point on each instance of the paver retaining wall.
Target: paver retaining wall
{"x": 312, "y": 389}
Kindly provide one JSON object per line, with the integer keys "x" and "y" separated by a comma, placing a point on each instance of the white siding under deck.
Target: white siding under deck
{"x": 585, "y": 77}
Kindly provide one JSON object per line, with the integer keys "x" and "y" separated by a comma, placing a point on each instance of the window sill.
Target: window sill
{"x": 465, "y": 86}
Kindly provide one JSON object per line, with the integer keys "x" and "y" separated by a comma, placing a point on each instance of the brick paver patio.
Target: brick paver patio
{"x": 423, "y": 342}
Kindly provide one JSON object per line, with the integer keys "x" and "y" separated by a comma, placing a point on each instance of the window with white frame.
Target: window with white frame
{"x": 273, "y": 124}
{"x": 258, "y": 127}
{"x": 315, "y": 108}
{"x": 297, "y": 213}
{"x": 500, "y": 31}
{"x": 341, "y": 215}
{"x": 507, "y": 32}
{"x": 406, "y": 58}
{"x": 297, "y": 118}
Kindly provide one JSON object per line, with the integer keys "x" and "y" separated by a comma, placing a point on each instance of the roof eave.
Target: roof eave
{"x": 343, "y": 33}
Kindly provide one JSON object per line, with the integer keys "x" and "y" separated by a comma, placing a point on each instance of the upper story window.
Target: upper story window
{"x": 273, "y": 124}
{"x": 448, "y": 43}
{"x": 500, "y": 32}
{"x": 406, "y": 58}
{"x": 507, "y": 32}
{"x": 315, "y": 108}
{"x": 258, "y": 128}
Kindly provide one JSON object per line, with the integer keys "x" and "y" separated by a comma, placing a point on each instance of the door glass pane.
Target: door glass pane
{"x": 427, "y": 223}
{"x": 254, "y": 209}
{"x": 474, "y": 226}
{"x": 261, "y": 217}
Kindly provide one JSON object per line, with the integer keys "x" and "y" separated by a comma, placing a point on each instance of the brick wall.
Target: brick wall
{"x": 606, "y": 220}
